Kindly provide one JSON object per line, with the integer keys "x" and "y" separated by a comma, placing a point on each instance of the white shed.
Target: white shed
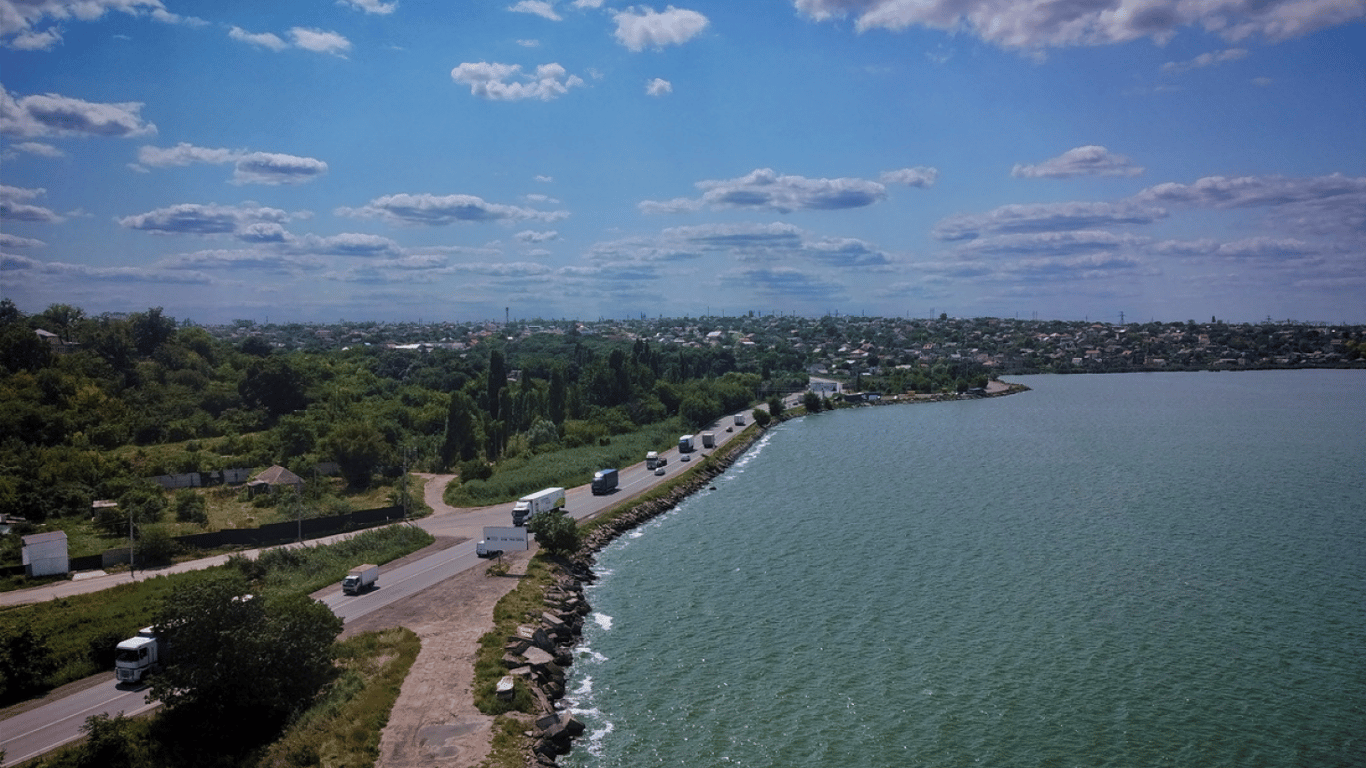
{"x": 45, "y": 554}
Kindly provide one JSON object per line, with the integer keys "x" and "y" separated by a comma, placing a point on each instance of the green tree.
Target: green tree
{"x": 463, "y": 434}
{"x": 761, "y": 417}
{"x": 359, "y": 448}
{"x": 25, "y": 663}
{"x": 558, "y": 534}
{"x": 238, "y": 665}
{"x": 775, "y": 406}
{"x": 811, "y": 401}
{"x": 497, "y": 379}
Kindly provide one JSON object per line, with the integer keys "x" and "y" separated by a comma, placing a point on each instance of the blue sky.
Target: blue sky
{"x": 359, "y": 159}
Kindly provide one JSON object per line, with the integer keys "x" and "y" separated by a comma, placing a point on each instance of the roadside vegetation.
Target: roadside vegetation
{"x": 74, "y": 637}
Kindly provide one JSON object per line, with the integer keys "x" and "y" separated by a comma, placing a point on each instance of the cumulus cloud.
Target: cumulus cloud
{"x": 14, "y": 206}
{"x": 532, "y": 236}
{"x": 438, "y": 210}
{"x": 37, "y": 148}
{"x": 21, "y": 267}
{"x": 51, "y": 114}
{"x": 640, "y": 29}
{"x": 1256, "y": 191}
{"x": 789, "y": 284}
{"x": 1271, "y": 249}
{"x": 1045, "y": 217}
{"x": 491, "y": 81}
{"x": 212, "y": 219}
{"x": 1054, "y": 243}
{"x": 303, "y": 38}
{"x": 320, "y": 41}
{"x": 270, "y": 168}
{"x": 14, "y": 241}
{"x": 1090, "y": 160}
{"x": 1205, "y": 60}
{"x": 32, "y": 26}
{"x": 773, "y": 243}
{"x": 1027, "y": 24}
{"x": 370, "y": 6}
{"x": 267, "y": 40}
{"x": 658, "y": 87}
{"x": 536, "y": 7}
{"x": 765, "y": 189}
{"x": 918, "y": 176}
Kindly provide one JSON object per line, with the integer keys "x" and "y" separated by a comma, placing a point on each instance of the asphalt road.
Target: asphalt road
{"x": 39, "y": 730}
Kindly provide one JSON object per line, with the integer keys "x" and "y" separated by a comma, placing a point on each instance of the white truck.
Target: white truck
{"x": 685, "y": 444}
{"x": 708, "y": 439}
{"x": 651, "y": 460}
{"x": 360, "y": 578}
{"x": 484, "y": 549}
{"x": 544, "y": 500}
{"x": 138, "y": 656}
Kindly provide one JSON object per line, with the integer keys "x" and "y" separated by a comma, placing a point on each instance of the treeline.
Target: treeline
{"x": 89, "y": 403}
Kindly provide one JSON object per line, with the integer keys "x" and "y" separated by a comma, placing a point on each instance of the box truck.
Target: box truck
{"x": 708, "y": 439}
{"x": 360, "y": 578}
{"x": 604, "y": 481}
{"x": 685, "y": 444}
{"x": 544, "y": 500}
{"x": 138, "y": 656}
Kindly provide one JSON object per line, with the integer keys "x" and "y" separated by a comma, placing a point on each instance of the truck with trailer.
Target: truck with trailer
{"x": 686, "y": 445}
{"x": 545, "y": 500}
{"x": 739, "y": 419}
{"x": 604, "y": 481}
{"x": 360, "y": 578}
{"x": 138, "y": 656}
{"x": 708, "y": 439}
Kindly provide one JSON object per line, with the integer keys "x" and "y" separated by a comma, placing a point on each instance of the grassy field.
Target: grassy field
{"x": 566, "y": 468}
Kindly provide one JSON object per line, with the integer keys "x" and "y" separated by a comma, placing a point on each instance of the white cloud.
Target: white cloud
{"x": 30, "y": 24}
{"x": 445, "y": 209}
{"x": 263, "y": 39}
{"x": 51, "y": 114}
{"x": 658, "y": 87}
{"x": 1090, "y": 160}
{"x": 14, "y": 206}
{"x": 638, "y": 30}
{"x": 587, "y": 3}
{"x": 529, "y": 43}
{"x": 1206, "y": 60}
{"x": 1046, "y": 217}
{"x": 35, "y": 148}
{"x": 212, "y": 219}
{"x": 320, "y": 41}
{"x": 1254, "y": 191}
{"x": 1028, "y": 24}
{"x": 251, "y": 167}
{"x": 536, "y": 7}
{"x": 491, "y": 81}
{"x": 764, "y": 189}
{"x": 14, "y": 241}
{"x": 532, "y": 236}
{"x": 370, "y": 6}
{"x": 918, "y": 176}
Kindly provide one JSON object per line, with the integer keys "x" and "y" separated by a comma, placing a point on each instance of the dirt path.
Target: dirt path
{"x": 434, "y": 722}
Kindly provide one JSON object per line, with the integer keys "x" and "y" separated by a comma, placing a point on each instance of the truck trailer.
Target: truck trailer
{"x": 360, "y": 578}
{"x": 708, "y": 439}
{"x": 604, "y": 481}
{"x": 685, "y": 444}
{"x": 544, "y": 500}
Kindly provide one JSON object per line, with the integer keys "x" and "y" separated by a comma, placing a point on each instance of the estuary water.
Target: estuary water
{"x": 1125, "y": 570}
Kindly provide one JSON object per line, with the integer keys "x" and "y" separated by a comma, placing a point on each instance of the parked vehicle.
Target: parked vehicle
{"x": 360, "y": 578}
{"x": 544, "y": 500}
{"x": 604, "y": 481}
{"x": 482, "y": 550}
{"x": 651, "y": 460}
{"x": 708, "y": 439}
{"x": 138, "y": 656}
{"x": 686, "y": 445}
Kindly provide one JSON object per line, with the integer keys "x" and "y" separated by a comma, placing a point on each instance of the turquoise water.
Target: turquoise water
{"x": 1127, "y": 570}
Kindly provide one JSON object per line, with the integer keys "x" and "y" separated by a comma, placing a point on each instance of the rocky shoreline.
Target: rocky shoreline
{"x": 541, "y": 653}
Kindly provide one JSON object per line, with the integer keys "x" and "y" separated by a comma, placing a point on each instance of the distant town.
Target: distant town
{"x": 873, "y": 346}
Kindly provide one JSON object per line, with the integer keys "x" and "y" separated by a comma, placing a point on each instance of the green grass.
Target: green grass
{"x": 520, "y": 606}
{"x": 343, "y": 727}
{"x": 78, "y": 628}
{"x": 514, "y": 478}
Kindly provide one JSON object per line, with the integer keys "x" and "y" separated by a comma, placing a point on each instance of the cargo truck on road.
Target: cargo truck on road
{"x": 686, "y": 445}
{"x": 138, "y": 656}
{"x": 604, "y": 481}
{"x": 544, "y": 500}
{"x": 361, "y": 578}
